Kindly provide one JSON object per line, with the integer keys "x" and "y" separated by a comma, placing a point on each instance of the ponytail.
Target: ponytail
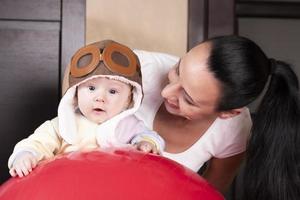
{"x": 272, "y": 170}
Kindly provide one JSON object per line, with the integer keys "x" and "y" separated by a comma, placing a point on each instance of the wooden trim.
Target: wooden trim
{"x": 73, "y": 31}
{"x": 197, "y": 22}
{"x": 29, "y": 68}
{"x": 209, "y": 18}
{"x": 221, "y": 18}
{"x": 268, "y": 9}
{"x": 30, "y": 10}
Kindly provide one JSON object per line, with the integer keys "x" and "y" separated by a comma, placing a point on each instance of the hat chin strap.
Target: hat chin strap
{"x": 66, "y": 116}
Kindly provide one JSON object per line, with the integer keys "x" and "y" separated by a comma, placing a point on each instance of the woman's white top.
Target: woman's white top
{"x": 224, "y": 138}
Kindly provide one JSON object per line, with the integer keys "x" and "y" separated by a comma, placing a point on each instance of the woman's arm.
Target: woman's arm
{"x": 221, "y": 172}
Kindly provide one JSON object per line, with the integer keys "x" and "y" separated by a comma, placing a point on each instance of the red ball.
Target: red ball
{"x": 111, "y": 174}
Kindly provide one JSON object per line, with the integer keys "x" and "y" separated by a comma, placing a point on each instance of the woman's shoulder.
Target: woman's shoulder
{"x": 158, "y": 57}
{"x": 152, "y": 62}
{"x": 154, "y": 68}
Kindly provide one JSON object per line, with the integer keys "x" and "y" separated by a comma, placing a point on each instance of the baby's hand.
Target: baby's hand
{"x": 23, "y": 164}
{"x": 147, "y": 147}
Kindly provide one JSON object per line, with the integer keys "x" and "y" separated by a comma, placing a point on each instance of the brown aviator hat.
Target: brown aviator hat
{"x": 104, "y": 58}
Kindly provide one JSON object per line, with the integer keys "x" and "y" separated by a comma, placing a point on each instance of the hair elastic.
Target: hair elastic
{"x": 273, "y": 65}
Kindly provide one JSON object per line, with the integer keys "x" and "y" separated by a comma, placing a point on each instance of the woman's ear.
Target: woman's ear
{"x": 230, "y": 113}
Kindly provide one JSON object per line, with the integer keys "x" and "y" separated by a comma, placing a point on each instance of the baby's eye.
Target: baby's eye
{"x": 92, "y": 88}
{"x": 113, "y": 91}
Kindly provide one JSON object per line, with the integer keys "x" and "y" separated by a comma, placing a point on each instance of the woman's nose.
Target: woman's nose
{"x": 171, "y": 90}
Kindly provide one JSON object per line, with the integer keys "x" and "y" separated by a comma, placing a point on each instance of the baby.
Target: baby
{"x": 97, "y": 110}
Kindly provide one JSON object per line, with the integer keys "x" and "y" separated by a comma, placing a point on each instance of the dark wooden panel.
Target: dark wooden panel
{"x": 73, "y": 30}
{"x": 30, "y": 9}
{"x": 268, "y": 9}
{"x": 197, "y": 22}
{"x": 209, "y": 18}
{"x": 268, "y": 0}
{"x": 29, "y": 68}
{"x": 221, "y": 18}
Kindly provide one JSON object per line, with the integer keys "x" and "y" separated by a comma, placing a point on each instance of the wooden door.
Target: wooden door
{"x": 33, "y": 46}
{"x": 209, "y": 18}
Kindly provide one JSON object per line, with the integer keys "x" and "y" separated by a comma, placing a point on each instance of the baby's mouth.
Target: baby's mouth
{"x": 98, "y": 110}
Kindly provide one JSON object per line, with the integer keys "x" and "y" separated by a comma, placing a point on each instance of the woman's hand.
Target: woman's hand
{"x": 23, "y": 164}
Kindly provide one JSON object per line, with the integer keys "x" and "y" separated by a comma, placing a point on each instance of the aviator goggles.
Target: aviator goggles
{"x": 116, "y": 57}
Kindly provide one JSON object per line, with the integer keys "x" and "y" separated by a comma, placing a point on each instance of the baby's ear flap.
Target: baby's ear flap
{"x": 230, "y": 113}
{"x": 130, "y": 99}
{"x": 65, "y": 81}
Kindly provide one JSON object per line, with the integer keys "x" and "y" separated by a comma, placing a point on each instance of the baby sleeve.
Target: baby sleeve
{"x": 42, "y": 143}
{"x": 132, "y": 130}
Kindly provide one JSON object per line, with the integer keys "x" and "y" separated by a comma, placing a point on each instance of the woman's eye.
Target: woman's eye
{"x": 112, "y": 91}
{"x": 92, "y": 88}
{"x": 188, "y": 101}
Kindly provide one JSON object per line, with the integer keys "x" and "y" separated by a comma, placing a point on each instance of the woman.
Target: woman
{"x": 202, "y": 115}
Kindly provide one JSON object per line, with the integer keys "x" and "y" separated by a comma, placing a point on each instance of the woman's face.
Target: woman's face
{"x": 192, "y": 91}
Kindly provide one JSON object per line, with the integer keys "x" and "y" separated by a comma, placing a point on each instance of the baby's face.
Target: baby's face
{"x": 100, "y": 99}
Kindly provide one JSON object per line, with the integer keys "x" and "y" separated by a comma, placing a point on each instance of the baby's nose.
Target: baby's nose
{"x": 100, "y": 97}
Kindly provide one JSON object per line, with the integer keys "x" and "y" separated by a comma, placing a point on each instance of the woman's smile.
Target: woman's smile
{"x": 171, "y": 105}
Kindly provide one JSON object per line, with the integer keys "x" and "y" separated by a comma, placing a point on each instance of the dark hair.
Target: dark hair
{"x": 242, "y": 68}
{"x": 272, "y": 168}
